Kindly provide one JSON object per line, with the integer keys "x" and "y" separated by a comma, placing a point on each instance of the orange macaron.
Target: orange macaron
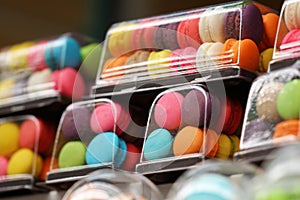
{"x": 108, "y": 70}
{"x": 287, "y": 128}
{"x": 188, "y": 140}
{"x": 244, "y": 53}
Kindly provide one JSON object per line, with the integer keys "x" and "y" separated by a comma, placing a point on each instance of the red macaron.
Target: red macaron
{"x": 233, "y": 115}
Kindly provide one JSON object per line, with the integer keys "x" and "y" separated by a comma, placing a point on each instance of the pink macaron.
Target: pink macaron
{"x": 167, "y": 111}
{"x": 183, "y": 60}
{"x": 3, "y": 165}
{"x": 36, "y": 132}
{"x": 68, "y": 82}
{"x": 109, "y": 117}
{"x": 36, "y": 58}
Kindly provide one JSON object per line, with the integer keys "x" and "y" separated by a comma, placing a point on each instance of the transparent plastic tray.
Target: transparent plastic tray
{"x": 215, "y": 180}
{"x": 46, "y": 71}
{"x": 25, "y": 149}
{"x": 187, "y": 125}
{"x": 114, "y": 184}
{"x": 209, "y": 43}
{"x": 271, "y": 116}
{"x": 94, "y": 134}
{"x": 287, "y": 40}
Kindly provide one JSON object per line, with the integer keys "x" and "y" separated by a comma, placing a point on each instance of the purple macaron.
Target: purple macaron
{"x": 75, "y": 124}
{"x": 194, "y": 106}
{"x": 170, "y": 36}
{"x": 252, "y": 24}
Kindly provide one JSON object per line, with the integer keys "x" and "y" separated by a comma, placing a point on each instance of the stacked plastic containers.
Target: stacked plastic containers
{"x": 114, "y": 184}
{"x": 94, "y": 134}
{"x": 38, "y": 73}
{"x": 211, "y": 43}
{"x": 272, "y": 113}
{"x": 26, "y": 144}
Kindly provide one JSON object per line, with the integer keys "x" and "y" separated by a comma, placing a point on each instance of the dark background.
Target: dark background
{"x": 22, "y": 20}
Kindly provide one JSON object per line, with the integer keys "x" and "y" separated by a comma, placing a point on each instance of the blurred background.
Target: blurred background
{"x": 33, "y": 19}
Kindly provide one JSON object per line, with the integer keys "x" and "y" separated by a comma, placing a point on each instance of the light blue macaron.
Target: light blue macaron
{"x": 102, "y": 148}
{"x": 158, "y": 144}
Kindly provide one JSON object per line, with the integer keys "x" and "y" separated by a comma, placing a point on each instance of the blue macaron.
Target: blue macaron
{"x": 121, "y": 153}
{"x": 102, "y": 148}
{"x": 158, "y": 144}
{"x": 63, "y": 52}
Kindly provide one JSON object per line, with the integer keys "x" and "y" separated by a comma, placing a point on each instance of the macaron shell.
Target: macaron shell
{"x": 47, "y": 166}
{"x": 148, "y": 36}
{"x": 158, "y": 63}
{"x": 287, "y": 128}
{"x": 270, "y": 21}
{"x": 3, "y": 165}
{"x": 72, "y": 154}
{"x": 211, "y": 144}
{"x": 158, "y": 145}
{"x": 36, "y": 59}
{"x": 233, "y": 118}
{"x": 292, "y": 16}
{"x": 9, "y": 142}
{"x": 289, "y": 93}
{"x": 167, "y": 111}
{"x": 133, "y": 156}
{"x": 188, "y": 140}
{"x": 204, "y": 27}
{"x": 230, "y": 30}
{"x": 170, "y": 36}
{"x": 102, "y": 148}
{"x": 182, "y": 39}
{"x": 39, "y": 81}
{"x": 192, "y": 33}
{"x": 225, "y": 147}
{"x": 266, "y": 102}
{"x": 217, "y": 24}
{"x": 265, "y": 57}
{"x": 22, "y": 162}
{"x": 120, "y": 156}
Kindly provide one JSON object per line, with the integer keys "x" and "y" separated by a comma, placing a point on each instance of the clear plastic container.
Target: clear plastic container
{"x": 46, "y": 70}
{"x": 209, "y": 43}
{"x": 215, "y": 180}
{"x": 26, "y": 144}
{"x": 272, "y": 114}
{"x": 93, "y": 134}
{"x": 281, "y": 175}
{"x": 287, "y": 40}
{"x": 114, "y": 184}
{"x": 188, "y": 124}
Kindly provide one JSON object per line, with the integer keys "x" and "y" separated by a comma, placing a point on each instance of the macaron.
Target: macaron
{"x": 112, "y": 67}
{"x": 265, "y": 58}
{"x": 270, "y": 21}
{"x": 75, "y": 123}
{"x": 3, "y": 165}
{"x": 36, "y": 58}
{"x": 69, "y": 83}
{"x": 289, "y": 41}
{"x": 288, "y": 105}
{"x": 244, "y": 52}
{"x": 90, "y": 55}
{"x": 102, "y": 148}
{"x": 158, "y": 145}
{"x": 148, "y": 36}
{"x": 39, "y": 81}
{"x": 287, "y": 128}
{"x": 252, "y": 24}
{"x": 17, "y": 56}
{"x": 167, "y": 110}
{"x": 183, "y": 60}
{"x": 72, "y": 154}
{"x": 225, "y": 149}
{"x": 6, "y": 88}
{"x": 62, "y": 52}
{"x": 9, "y": 138}
{"x": 210, "y": 144}
{"x": 169, "y": 35}
{"x": 291, "y": 14}
{"x": 47, "y": 167}
{"x": 120, "y": 156}
{"x": 20, "y": 86}
{"x": 109, "y": 117}
{"x": 188, "y": 140}
{"x": 133, "y": 156}
{"x": 266, "y": 102}
{"x": 233, "y": 115}
{"x": 196, "y": 108}
{"x": 256, "y": 131}
{"x": 208, "y": 55}
{"x": 36, "y": 132}
{"x": 25, "y": 161}
{"x": 158, "y": 63}
{"x": 188, "y": 33}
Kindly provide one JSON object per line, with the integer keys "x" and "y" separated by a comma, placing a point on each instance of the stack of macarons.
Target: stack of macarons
{"x": 47, "y": 64}
{"x": 289, "y": 30}
{"x": 191, "y": 43}
{"x": 25, "y": 142}
{"x": 273, "y": 114}
{"x": 192, "y": 121}
{"x": 98, "y": 132}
